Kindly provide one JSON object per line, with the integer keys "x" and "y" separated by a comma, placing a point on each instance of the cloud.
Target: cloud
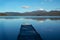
{"x": 48, "y": 0}
{"x": 41, "y": 9}
{"x": 26, "y": 7}
{"x": 45, "y": 1}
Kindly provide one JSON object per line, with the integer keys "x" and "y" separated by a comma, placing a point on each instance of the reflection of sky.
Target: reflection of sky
{"x": 42, "y": 21}
{"x": 28, "y": 5}
{"x": 49, "y": 29}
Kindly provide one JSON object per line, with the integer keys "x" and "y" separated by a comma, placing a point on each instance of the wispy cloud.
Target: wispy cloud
{"x": 45, "y": 1}
{"x": 42, "y": 2}
{"x": 26, "y": 7}
{"x": 48, "y": 0}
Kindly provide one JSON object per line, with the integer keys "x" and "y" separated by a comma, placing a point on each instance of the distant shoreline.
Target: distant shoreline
{"x": 33, "y": 13}
{"x": 31, "y": 17}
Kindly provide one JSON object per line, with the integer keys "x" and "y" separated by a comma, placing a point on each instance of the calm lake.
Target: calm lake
{"x": 48, "y": 29}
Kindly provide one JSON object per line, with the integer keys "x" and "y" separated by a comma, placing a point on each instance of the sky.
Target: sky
{"x": 28, "y": 5}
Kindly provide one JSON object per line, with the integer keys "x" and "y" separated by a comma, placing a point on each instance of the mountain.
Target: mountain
{"x": 33, "y": 13}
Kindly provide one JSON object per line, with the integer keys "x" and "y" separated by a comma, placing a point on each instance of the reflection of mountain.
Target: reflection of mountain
{"x": 33, "y": 13}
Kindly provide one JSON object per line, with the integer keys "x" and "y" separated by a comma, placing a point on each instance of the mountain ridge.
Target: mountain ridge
{"x": 33, "y": 13}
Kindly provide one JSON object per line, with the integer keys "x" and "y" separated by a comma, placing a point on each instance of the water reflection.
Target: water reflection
{"x": 41, "y": 21}
{"x": 49, "y": 29}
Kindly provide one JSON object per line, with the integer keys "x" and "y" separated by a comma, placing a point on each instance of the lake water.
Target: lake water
{"x": 48, "y": 29}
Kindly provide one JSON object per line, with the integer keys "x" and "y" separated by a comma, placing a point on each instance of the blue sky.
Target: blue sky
{"x": 28, "y": 5}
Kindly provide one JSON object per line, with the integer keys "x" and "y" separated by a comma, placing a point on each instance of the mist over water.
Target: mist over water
{"x": 48, "y": 29}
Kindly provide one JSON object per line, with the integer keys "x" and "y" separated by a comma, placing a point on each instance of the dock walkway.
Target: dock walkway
{"x": 27, "y": 32}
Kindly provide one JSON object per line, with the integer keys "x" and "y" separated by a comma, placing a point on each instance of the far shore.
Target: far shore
{"x": 35, "y": 18}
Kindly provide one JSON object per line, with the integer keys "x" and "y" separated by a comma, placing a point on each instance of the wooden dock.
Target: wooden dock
{"x": 27, "y": 32}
